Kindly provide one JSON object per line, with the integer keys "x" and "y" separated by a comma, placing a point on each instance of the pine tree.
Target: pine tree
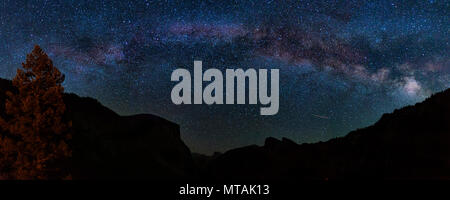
{"x": 35, "y": 142}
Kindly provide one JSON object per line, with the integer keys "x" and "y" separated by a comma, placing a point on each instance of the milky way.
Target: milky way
{"x": 342, "y": 63}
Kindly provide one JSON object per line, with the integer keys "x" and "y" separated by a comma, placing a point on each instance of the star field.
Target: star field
{"x": 342, "y": 63}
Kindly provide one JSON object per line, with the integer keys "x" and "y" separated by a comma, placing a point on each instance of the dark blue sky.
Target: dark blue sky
{"x": 342, "y": 63}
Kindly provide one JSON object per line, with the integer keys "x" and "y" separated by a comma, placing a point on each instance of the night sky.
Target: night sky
{"x": 342, "y": 63}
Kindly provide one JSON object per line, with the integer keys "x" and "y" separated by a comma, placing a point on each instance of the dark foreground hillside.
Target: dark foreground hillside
{"x": 410, "y": 143}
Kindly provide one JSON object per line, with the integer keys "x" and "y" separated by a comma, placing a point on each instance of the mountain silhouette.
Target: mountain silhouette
{"x": 106, "y": 145}
{"x": 410, "y": 143}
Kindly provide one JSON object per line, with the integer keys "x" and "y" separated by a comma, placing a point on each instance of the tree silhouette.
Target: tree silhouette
{"x": 35, "y": 142}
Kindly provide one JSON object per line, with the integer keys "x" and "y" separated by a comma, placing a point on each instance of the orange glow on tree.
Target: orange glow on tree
{"x": 34, "y": 144}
